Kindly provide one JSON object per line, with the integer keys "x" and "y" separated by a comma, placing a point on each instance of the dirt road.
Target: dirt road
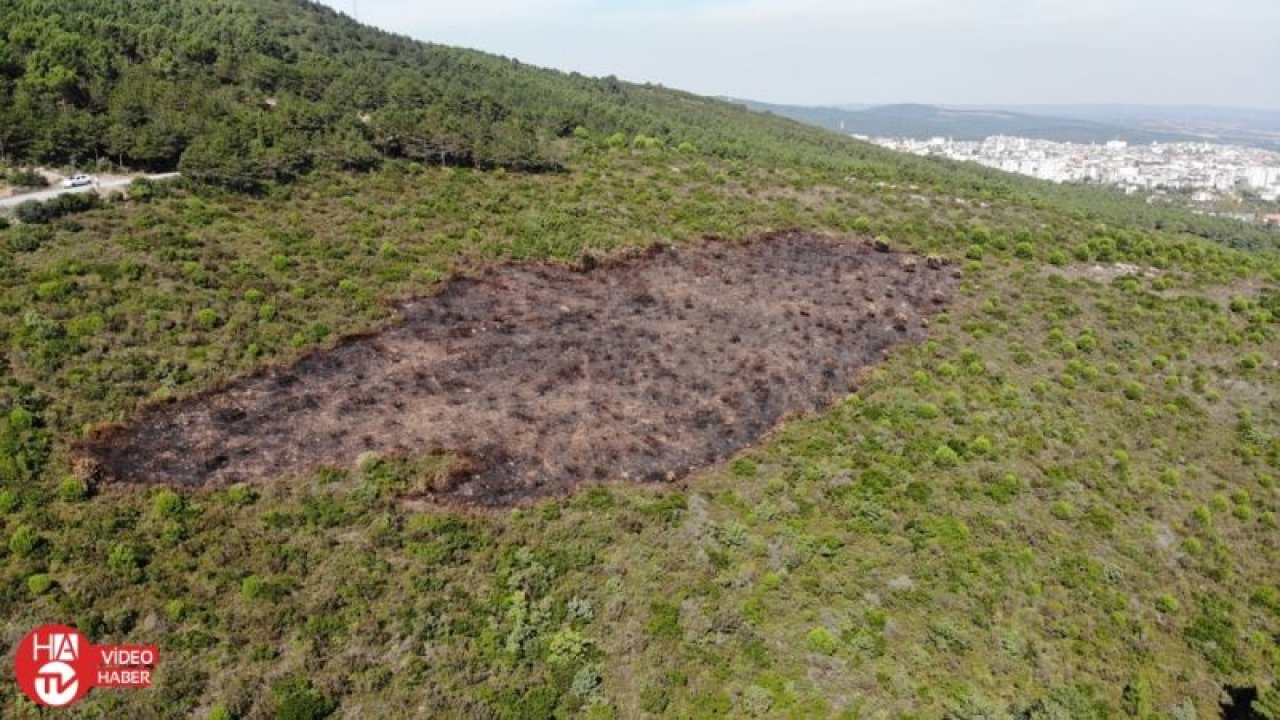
{"x": 113, "y": 183}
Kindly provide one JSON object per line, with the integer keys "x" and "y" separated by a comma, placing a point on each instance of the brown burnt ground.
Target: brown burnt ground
{"x": 544, "y": 376}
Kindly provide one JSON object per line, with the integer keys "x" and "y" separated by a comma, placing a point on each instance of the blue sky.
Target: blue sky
{"x": 1214, "y": 52}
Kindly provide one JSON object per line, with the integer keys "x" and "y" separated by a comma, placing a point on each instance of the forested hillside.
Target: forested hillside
{"x": 248, "y": 91}
{"x": 1062, "y": 504}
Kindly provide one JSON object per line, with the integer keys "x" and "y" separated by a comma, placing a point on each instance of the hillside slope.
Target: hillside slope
{"x": 247, "y": 91}
{"x": 1062, "y": 504}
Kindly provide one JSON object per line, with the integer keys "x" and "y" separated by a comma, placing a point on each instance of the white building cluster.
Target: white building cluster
{"x": 1208, "y": 170}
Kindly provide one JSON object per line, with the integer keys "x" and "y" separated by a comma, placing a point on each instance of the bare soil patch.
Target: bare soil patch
{"x": 1101, "y": 273}
{"x": 545, "y": 376}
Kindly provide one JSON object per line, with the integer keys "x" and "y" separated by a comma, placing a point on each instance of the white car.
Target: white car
{"x": 77, "y": 181}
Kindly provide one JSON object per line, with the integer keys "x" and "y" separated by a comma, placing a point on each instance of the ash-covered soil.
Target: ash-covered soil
{"x": 544, "y": 376}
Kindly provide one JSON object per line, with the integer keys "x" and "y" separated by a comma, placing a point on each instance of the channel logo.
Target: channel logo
{"x": 56, "y": 666}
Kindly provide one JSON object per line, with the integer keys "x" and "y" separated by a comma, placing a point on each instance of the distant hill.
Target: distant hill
{"x": 925, "y": 121}
{"x": 1245, "y": 126}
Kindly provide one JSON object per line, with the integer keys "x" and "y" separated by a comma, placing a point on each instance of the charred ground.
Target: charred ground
{"x": 544, "y": 376}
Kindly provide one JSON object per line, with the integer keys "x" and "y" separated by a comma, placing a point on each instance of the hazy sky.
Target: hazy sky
{"x": 1219, "y": 52}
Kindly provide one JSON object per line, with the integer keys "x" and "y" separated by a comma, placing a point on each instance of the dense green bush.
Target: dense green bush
{"x": 27, "y": 178}
{"x": 23, "y": 541}
{"x": 39, "y": 213}
{"x": 298, "y": 699}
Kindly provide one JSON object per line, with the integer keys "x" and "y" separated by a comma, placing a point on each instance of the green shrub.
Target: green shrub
{"x": 1214, "y": 633}
{"x": 567, "y": 647}
{"x": 20, "y": 419}
{"x": 1267, "y": 704}
{"x": 144, "y": 189}
{"x": 918, "y": 491}
{"x": 654, "y": 699}
{"x": 241, "y": 495}
{"x": 1167, "y": 604}
{"x": 1202, "y": 516}
{"x": 124, "y": 562}
{"x": 945, "y": 457}
{"x": 755, "y": 701}
{"x": 1134, "y": 390}
{"x": 1073, "y": 702}
{"x": 981, "y": 445}
{"x": 664, "y": 620}
{"x": 9, "y": 501}
{"x": 587, "y": 685}
{"x": 23, "y": 541}
{"x": 1005, "y": 489}
{"x": 166, "y": 504}
{"x": 820, "y": 640}
{"x": 28, "y": 238}
{"x": 27, "y": 178}
{"x": 72, "y": 489}
{"x": 256, "y": 588}
{"x": 945, "y": 636}
{"x": 927, "y": 411}
{"x": 207, "y": 318}
{"x": 34, "y": 212}
{"x": 1267, "y": 596}
{"x": 39, "y": 583}
{"x": 298, "y": 699}
{"x": 175, "y": 610}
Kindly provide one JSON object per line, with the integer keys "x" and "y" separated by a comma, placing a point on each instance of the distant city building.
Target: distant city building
{"x": 1210, "y": 171}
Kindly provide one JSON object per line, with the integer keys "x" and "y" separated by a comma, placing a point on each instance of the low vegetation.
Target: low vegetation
{"x": 1037, "y": 494}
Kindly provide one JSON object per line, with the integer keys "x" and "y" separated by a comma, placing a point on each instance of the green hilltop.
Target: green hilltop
{"x": 1062, "y": 505}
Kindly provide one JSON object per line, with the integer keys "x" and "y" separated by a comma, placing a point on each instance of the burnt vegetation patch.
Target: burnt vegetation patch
{"x": 544, "y": 376}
